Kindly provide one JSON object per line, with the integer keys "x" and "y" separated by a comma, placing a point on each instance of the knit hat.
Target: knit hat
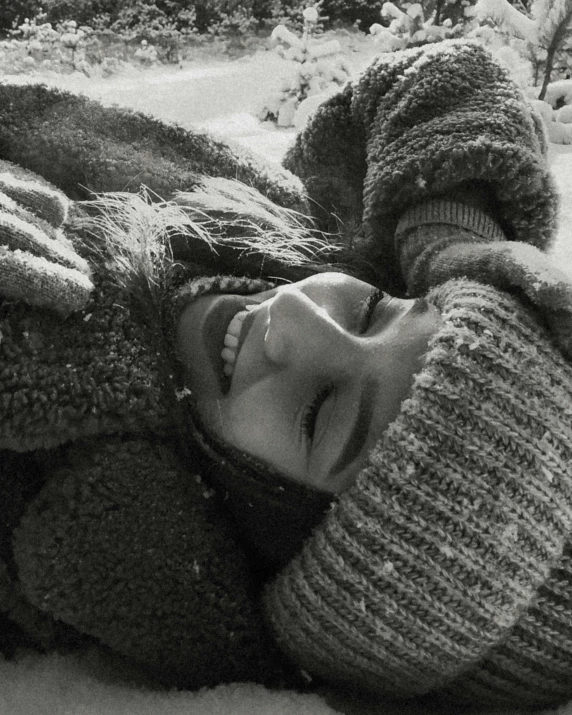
{"x": 447, "y": 565}
{"x": 273, "y": 513}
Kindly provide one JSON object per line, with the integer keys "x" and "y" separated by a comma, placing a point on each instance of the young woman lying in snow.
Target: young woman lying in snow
{"x": 398, "y": 468}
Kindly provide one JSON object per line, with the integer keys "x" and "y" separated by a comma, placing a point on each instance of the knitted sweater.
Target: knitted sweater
{"x": 446, "y": 568}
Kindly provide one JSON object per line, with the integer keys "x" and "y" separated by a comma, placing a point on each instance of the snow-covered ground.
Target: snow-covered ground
{"x": 223, "y": 96}
{"x": 561, "y": 164}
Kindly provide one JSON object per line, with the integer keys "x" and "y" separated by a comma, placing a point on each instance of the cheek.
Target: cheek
{"x": 399, "y": 357}
{"x": 261, "y": 422}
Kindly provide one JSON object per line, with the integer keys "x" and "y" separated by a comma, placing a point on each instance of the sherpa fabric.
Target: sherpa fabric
{"x": 108, "y": 533}
{"x": 82, "y": 147}
{"x": 77, "y": 556}
{"x": 76, "y": 489}
{"x": 446, "y": 567}
{"x": 415, "y": 125}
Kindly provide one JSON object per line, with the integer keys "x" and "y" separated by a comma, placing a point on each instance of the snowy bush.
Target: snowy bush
{"x": 318, "y": 69}
{"x": 556, "y": 110}
{"x": 140, "y": 33}
{"x": 360, "y": 12}
{"x": 35, "y": 44}
{"x": 540, "y": 41}
{"x": 416, "y": 24}
{"x": 141, "y": 20}
{"x": 542, "y": 36}
{"x": 146, "y": 54}
{"x": 409, "y": 28}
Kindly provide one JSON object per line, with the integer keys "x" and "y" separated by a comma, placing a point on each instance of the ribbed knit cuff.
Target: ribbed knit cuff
{"x": 452, "y": 213}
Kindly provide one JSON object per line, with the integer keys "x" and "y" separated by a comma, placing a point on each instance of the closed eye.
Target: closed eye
{"x": 310, "y": 416}
{"x": 368, "y": 306}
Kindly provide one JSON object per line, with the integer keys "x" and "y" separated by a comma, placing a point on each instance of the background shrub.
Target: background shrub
{"x": 364, "y": 12}
{"x": 16, "y": 10}
{"x": 208, "y": 16}
{"x": 82, "y": 11}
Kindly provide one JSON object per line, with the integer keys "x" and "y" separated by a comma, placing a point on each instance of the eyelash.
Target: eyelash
{"x": 310, "y": 416}
{"x": 369, "y": 305}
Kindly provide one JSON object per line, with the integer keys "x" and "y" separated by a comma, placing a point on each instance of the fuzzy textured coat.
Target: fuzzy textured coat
{"x": 108, "y": 533}
{"x": 415, "y": 125}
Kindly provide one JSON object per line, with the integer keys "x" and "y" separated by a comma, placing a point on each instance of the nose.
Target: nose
{"x": 302, "y": 335}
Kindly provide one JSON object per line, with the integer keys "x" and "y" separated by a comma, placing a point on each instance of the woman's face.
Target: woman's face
{"x": 308, "y": 375}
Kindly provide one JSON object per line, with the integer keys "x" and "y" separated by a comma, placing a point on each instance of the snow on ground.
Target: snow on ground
{"x": 561, "y": 165}
{"x": 223, "y": 96}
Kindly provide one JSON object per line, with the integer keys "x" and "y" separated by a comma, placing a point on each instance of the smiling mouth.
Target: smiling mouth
{"x": 236, "y": 333}
{"x": 214, "y": 330}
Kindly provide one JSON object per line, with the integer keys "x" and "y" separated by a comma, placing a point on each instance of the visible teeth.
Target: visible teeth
{"x": 228, "y": 353}
{"x": 230, "y": 341}
{"x": 236, "y": 323}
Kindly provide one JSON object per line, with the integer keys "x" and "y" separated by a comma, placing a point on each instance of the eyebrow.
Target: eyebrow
{"x": 358, "y": 432}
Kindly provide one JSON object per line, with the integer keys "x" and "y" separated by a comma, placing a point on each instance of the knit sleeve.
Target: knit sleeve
{"x": 440, "y": 240}
{"x": 426, "y": 120}
{"x": 126, "y": 546}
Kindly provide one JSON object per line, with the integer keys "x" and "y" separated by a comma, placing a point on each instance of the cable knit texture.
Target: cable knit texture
{"x": 414, "y": 125}
{"x": 435, "y": 567}
{"x": 446, "y": 567}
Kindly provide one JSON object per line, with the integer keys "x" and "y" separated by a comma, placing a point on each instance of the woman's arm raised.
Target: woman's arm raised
{"x": 417, "y": 125}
